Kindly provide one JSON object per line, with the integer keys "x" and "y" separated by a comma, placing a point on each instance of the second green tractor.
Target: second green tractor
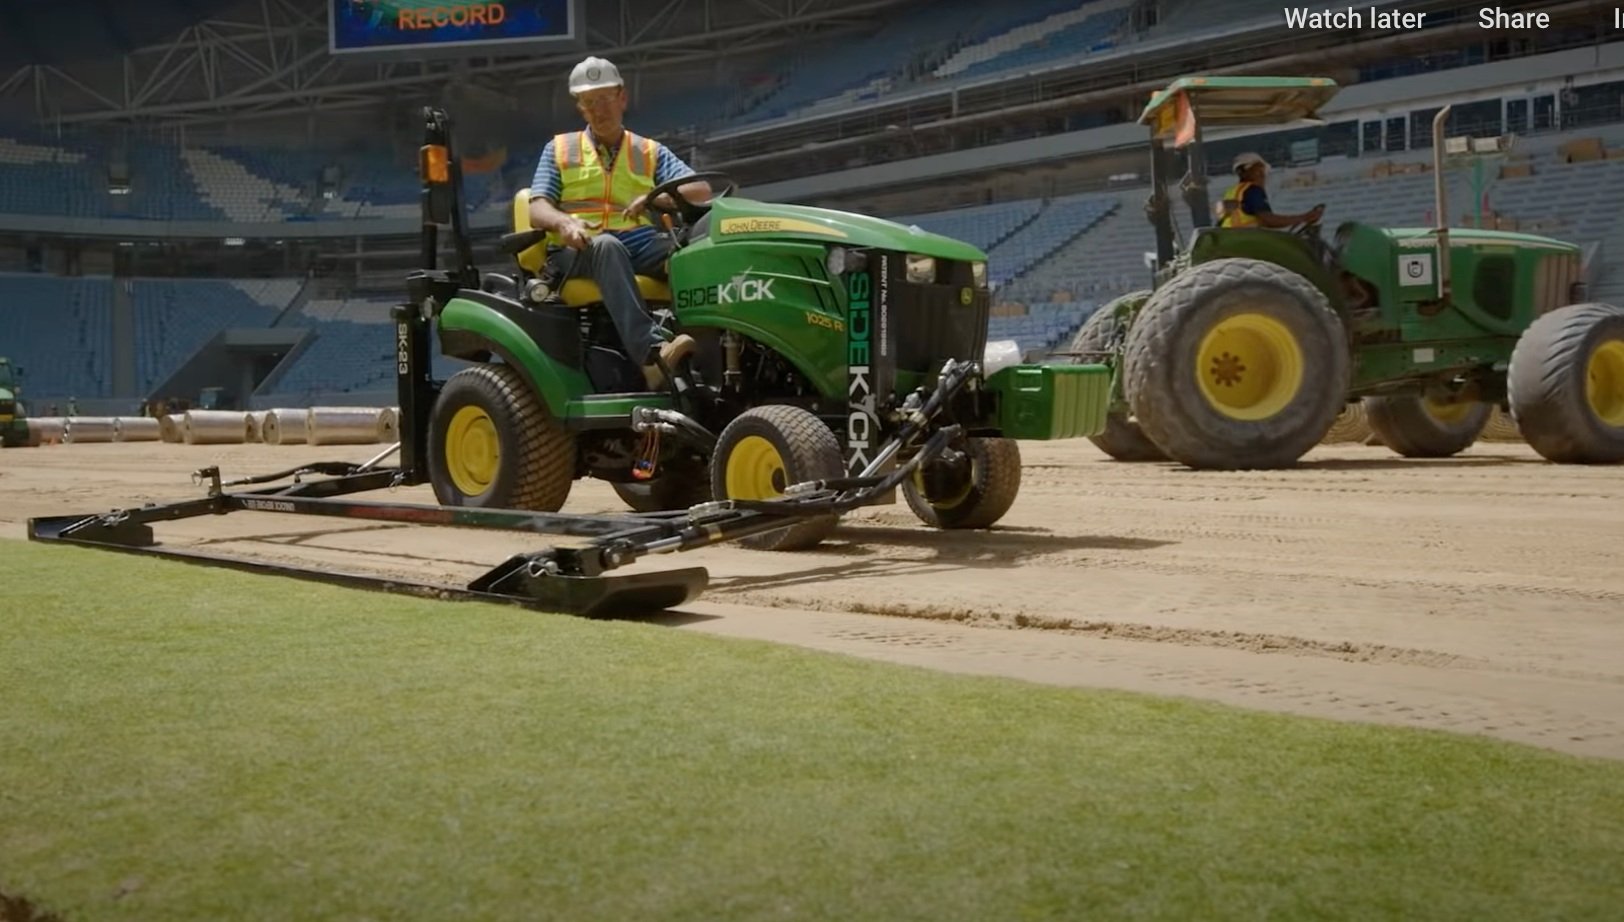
{"x": 1250, "y": 342}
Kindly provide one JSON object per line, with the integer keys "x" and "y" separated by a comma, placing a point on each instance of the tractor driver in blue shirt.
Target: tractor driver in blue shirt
{"x": 590, "y": 191}
{"x": 1246, "y": 203}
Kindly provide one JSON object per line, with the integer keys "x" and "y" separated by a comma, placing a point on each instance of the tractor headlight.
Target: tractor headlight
{"x": 836, "y": 261}
{"x": 978, "y": 271}
{"x": 841, "y": 260}
{"x": 921, "y": 269}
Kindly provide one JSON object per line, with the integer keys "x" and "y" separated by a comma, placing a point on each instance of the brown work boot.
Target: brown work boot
{"x": 671, "y": 353}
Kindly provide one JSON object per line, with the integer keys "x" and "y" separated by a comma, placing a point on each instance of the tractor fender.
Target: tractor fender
{"x": 553, "y": 382}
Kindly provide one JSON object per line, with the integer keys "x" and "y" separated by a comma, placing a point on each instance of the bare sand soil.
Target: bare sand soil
{"x": 1479, "y": 594}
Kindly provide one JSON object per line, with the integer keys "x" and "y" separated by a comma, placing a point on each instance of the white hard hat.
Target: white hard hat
{"x": 1248, "y": 159}
{"x": 593, "y": 74}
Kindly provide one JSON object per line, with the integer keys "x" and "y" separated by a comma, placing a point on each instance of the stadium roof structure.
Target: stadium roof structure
{"x": 179, "y": 62}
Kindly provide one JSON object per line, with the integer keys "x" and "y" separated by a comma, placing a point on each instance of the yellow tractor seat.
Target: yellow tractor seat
{"x": 584, "y": 292}
{"x": 533, "y": 258}
{"x": 576, "y": 292}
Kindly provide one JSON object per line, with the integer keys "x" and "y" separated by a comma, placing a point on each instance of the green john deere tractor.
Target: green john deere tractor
{"x": 1252, "y": 341}
{"x": 13, "y": 418}
{"x": 831, "y": 345}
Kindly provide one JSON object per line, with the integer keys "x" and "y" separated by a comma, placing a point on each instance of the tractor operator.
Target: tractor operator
{"x": 1246, "y": 204}
{"x": 597, "y": 226}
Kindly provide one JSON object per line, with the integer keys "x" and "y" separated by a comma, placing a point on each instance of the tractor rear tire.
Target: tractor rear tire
{"x": 1122, "y": 439}
{"x": 1237, "y": 364}
{"x": 1416, "y": 427}
{"x": 762, "y": 452}
{"x": 1566, "y": 384}
{"x": 493, "y": 445}
{"x": 991, "y": 481}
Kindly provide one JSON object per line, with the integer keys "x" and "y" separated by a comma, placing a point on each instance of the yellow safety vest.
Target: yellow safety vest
{"x": 594, "y": 196}
{"x": 1229, "y": 208}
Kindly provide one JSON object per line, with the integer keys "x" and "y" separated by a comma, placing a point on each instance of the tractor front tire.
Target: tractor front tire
{"x": 1566, "y": 384}
{"x": 1122, "y": 438}
{"x": 988, "y": 479}
{"x": 493, "y": 445}
{"x": 1417, "y": 427}
{"x": 1237, "y": 364}
{"x": 761, "y": 453}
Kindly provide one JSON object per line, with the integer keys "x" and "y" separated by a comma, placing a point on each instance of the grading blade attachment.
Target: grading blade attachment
{"x": 526, "y": 577}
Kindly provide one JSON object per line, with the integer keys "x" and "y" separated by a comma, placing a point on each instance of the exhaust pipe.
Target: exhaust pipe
{"x": 1441, "y": 206}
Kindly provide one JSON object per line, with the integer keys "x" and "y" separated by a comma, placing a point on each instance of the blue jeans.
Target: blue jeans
{"x": 607, "y": 261}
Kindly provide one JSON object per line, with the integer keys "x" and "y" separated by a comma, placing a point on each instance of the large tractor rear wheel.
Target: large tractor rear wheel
{"x": 1417, "y": 426}
{"x": 1566, "y": 384}
{"x": 1236, "y": 364}
{"x": 761, "y": 453}
{"x": 972, "y": 489}
{"x": 493, "y": 445}
{"x": 1122, "y": 439}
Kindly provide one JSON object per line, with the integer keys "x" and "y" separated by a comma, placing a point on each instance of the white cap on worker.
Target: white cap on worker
{"x": 593, "y": 74}
{"x": 1248, "y": 159}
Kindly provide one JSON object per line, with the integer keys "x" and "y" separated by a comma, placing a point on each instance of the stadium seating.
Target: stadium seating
{"x": 1199, "y": 16}
{"x": 39, "y": 177}
{"x": 1071, "y": 32}
{"x": 947, "y": 39}
{"x": 60, "y": 331}
{"x": 176, "y": 317}
{"x": 1043, "y": 328}
{"x": 982, "y": 225}
{"x": 1061, "y": 221}
{"x": 343, "y": 357}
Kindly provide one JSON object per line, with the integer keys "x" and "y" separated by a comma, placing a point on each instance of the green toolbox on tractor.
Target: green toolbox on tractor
{"x": 841, "y": 358}
{"x": 1250, "y": 342}
{"x": 13, "y": 417}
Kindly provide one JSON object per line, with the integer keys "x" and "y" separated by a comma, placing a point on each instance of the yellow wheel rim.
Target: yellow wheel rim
{"x": 1249, "y": 367}
{"x": 945, "y": 502}
{"x": 472, "y": 450}
{"x": 1604, "y": 382}
{"x": 1446, "y": 413}
{"x": 755, "y": 470}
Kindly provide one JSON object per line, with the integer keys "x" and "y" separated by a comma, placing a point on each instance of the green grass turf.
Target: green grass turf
{"x": 190, "y": 743}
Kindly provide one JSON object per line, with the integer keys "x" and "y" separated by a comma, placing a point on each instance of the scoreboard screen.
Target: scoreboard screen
{"x": 426, "y": 26}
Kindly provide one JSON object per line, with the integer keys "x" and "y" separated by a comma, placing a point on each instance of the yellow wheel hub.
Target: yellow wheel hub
{"x": 1446, "y": 413}
{"x": 755, "y": 470}
{"x": 472, "y": 450}
{"x": 950, "y": 501}
{"x": 1249, "y": 367}
{"x": 1604, "y": 382}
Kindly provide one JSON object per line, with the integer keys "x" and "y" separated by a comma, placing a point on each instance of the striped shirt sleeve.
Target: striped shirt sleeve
{"x": 547, "y": 183}
{"x": 668, "y": 166}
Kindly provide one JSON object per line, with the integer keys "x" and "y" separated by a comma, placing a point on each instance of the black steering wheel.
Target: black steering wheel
{"x": 1307, "y": 228}
{"x": 687, "y": 212}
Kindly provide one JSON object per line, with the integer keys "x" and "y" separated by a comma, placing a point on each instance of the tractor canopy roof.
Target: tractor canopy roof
{"x": 1219, "y": 102}
{"x": 733, "y": 218}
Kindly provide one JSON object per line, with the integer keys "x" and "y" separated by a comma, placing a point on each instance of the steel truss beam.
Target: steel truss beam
{"x": 270, "y": 58}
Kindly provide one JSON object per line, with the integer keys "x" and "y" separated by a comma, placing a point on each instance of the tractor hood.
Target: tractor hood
{"x": 744, "y": 219}
{"x": 1459, "y": 236}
